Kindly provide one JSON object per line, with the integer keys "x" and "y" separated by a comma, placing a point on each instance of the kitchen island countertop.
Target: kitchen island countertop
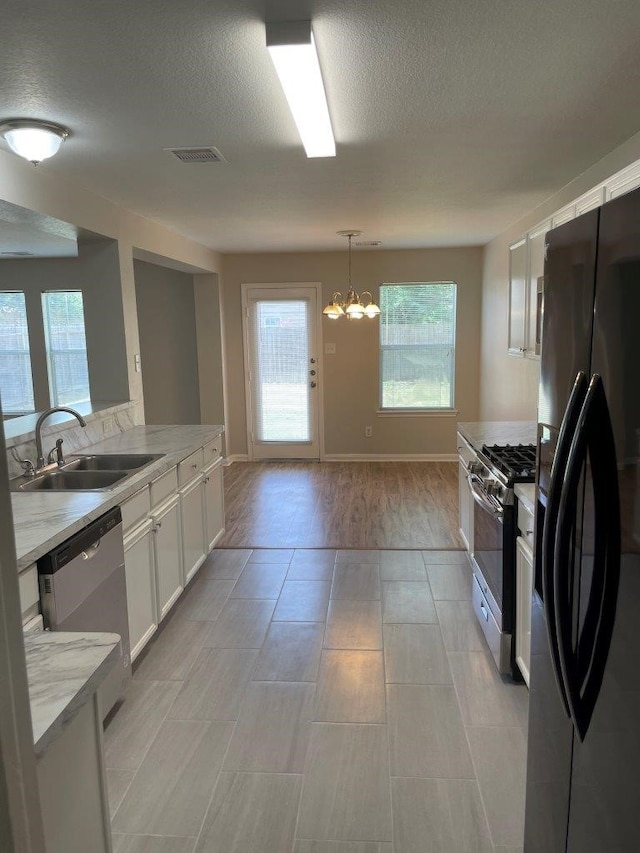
{"x": 64, "y": 670}
{"x": 43, "y": 520}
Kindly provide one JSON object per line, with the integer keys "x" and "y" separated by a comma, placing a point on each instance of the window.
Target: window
{"x": 16, "y": 383}
{"x": 66, "y": 346}
{"x": 417, "y": 345}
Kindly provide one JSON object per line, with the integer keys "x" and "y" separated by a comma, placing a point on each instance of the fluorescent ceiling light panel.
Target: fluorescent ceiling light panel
{"x": 293, "y": 52}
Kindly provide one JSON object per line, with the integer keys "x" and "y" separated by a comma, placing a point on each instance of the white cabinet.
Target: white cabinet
{"x": 141, "y": 586}
{"x": 524, "y": 592}
{"x": 465, "y": 501}
{"x": 167, "y": 554}
{"x": 526, "y": 268}
{"x": 73, "y": 787}
{"x": 524, "y": 580}
{"x": 517, "y": 296}
{"x": 213, "y": 503}
{"x": 193, "y": 539}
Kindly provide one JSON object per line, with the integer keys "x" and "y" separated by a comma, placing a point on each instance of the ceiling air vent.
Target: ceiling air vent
{"x": 202, "y": 154}
{"x": 18, "y": 254}
{"x": 368, "y": 243}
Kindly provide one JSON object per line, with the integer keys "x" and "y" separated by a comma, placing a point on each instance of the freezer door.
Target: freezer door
{"x": 604, "y": 799}
{"x": 569, "y": 278}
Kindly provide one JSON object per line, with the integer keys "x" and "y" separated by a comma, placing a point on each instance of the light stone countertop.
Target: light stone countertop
{"x": 478, "y": 433}
{"x": 44, "y": 520}
{"x": 64, "y": 670}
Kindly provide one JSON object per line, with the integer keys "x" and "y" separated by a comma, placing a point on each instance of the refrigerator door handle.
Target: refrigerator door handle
{"x": 583, "y": 668}
{"x": 558, "y": 471}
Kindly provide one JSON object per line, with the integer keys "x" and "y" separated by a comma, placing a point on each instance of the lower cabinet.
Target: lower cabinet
{"x": 524, "y": 592}
{"x": 214, "y": 504}
{"x": 141, "y": 586}
{"x": 73, "y": 787}
{"x": 170, "y": 527}
{"x": 192, "y": 512}
{"x": 167, "y": 554}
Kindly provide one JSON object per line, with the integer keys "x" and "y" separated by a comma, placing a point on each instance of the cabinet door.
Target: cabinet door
{"x": 141, "y": 587}
{"x": 517, "y": 296}
{"x": 464, "y": 505}
{"x": 214, "y": 503}
{"x": 192, "y": 515}
{"x": 524, "y": 588}
{"x": 168, "y": 554}
{"x": 537, "y": 240}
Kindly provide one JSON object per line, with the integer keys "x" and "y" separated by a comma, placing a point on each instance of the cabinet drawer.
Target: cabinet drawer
{"x": 163, "y": 487}
{"x": 189, "y": 467}
{"x": 525, "y": 523}
{"x": 212, "y": 450}
{"x": 135, "y": 508}
{"x": 29, "y": 592}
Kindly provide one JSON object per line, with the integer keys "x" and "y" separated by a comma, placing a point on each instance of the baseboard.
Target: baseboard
{"x": 365, "y": 457}
{"x": 391, "y": 457}
{"x": 236, "y": 457}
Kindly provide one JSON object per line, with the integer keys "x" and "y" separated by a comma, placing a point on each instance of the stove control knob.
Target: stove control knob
{"x": 475, "y": 467}
{"x": 494, "y": 488}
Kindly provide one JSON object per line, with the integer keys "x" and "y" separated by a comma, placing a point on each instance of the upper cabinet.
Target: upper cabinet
{"x": 526, "y": 266}
{"x": 526, "y": 262}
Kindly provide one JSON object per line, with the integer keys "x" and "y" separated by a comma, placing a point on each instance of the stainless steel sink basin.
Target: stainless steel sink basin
{"x": 71, "y": 481}
{"x": 86, "y": 473}
{"x": 110, "y": 461}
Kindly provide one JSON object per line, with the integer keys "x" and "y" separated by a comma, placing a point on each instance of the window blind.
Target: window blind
{"x": 66, "y": 346}
{"x": 16, "y": 383}
{"x": 280, "y": 370}
{"x": 417, "y": 345}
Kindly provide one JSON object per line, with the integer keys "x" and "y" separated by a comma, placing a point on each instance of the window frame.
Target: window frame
{"x": 418, "y": 411}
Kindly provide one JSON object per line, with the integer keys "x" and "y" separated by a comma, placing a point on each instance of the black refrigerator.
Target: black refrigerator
{"x": 583, "y": 766}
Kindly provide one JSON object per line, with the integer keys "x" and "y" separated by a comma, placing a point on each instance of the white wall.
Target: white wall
{"x": 508, "y": 384}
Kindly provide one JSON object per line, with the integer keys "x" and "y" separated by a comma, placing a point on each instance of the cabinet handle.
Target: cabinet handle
{"x": 194, "y": 466}
{"x": 206, "y": 479}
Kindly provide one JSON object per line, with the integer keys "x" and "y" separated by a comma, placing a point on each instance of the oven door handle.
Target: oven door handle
{"x": 487, "y": 502}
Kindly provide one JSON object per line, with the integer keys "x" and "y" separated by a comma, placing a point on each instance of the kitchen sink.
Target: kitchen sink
{"x": 70, "y": 481}
{"x": 86, "y": 473}
{"x": 110, "y": 461}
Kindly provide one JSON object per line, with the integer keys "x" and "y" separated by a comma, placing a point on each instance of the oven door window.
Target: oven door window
{"x": 488, "y": 539}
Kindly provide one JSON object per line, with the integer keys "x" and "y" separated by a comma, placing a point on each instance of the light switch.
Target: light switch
{"x": 329, "y": 349}
{"x": 136, "y": 362}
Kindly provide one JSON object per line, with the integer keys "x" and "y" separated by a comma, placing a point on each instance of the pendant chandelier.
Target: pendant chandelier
{"x": 355, "y": 305}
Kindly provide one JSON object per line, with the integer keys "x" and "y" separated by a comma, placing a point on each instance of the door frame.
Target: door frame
{"x": 275, "y": 286}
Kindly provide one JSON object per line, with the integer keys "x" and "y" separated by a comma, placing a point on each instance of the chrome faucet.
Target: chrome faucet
{"x": 42, "y": 419}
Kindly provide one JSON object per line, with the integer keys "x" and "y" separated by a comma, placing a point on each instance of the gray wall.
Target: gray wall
{"x": 96, "y": 272}
{"x": 168, "y": 348}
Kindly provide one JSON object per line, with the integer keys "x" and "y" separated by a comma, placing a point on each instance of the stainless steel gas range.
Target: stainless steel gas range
{"x": 491, "y": 475}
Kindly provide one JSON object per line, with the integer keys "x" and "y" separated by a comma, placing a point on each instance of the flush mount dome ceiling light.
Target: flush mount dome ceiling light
{"x": 33, "y": 139}
{"x": 355, "y": 306}
{"x": 293, "y": 52}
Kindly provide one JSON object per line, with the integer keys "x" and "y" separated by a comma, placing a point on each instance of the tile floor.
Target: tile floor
{"x": 319, "y": 701}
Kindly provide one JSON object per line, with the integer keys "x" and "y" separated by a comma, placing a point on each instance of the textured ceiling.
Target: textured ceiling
{"x": 452, "y": 118}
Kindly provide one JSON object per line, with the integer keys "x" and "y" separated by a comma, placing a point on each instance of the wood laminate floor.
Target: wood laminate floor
{"x": 411, "y": 505}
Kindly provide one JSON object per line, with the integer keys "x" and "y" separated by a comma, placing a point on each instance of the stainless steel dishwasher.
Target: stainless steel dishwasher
{"x": 83, "y": 588}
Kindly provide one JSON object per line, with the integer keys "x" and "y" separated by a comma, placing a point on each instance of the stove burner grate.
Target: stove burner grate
{"x": 516, "y": 462}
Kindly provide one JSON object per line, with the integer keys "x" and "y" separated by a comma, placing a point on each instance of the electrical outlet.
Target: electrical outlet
{"x": 329, "y": 349}
{"x": 368, "y": 432}
{"x": 107, "y": 426}
{"x": 136, "y": 362}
